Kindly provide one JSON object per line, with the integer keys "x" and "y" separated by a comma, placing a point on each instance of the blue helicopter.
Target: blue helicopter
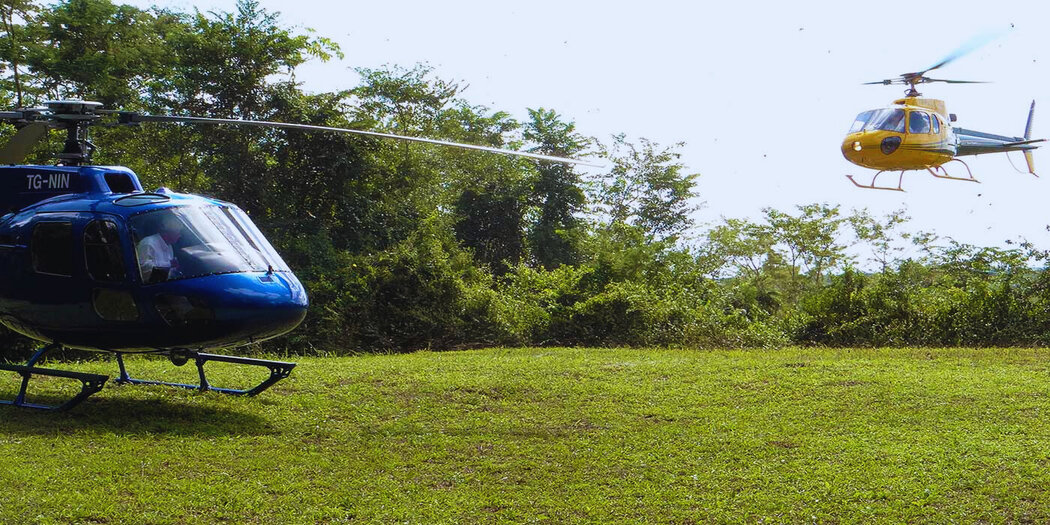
{"x": 90, "y": 260}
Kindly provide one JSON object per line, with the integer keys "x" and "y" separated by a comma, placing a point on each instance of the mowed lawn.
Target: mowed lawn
{"x": 552, "y": 435}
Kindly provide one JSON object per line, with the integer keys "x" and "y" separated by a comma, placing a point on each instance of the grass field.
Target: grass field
{"x": 552, "y": 435}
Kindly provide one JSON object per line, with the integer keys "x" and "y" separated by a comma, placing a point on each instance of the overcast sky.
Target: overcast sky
{"x": 761, "y": 92}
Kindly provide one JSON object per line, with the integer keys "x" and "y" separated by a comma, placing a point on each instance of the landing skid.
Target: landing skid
{"x": 872, "y": 186}
{"x": 92, "y": 383}
{"x": 944, "y": 173}
{"x": 89, "y": 383}
{"x": 278, "y": 371}
{"x": 936, "y": 171}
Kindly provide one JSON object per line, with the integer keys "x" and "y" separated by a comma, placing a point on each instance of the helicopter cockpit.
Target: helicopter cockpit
{"x": 893, "y": 119}
{"x": 191, "y": 241}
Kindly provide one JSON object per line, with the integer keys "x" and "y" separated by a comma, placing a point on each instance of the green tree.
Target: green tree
{"x": 16, "y": 15}
{"x": 646, "y": 188}
{"x": 493, "y": 190}
{"x": 95, "y": 50}
{"x": 228, "y": 63}
{"x": 810, "y": 241}
{"x": 740, "y": 247}
{"x": 404, "y": 101}
{"x": 555, "y": 233}
{"x": 490, "y": 222}
{"x": 411, "y": 102}
{"x": 880, "y": 234}
{"x": 742, "y": 251}
{"x": 231, "y": 65}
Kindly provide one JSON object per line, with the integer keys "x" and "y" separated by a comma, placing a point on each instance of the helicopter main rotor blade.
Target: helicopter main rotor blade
{"x": 16, "y": 149}
{"x": 956, "y": 81}
{"x": 970, "y": 46}
{"x": 136, "y": 117}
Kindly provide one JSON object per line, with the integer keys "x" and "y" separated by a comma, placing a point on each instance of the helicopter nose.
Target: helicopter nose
{"x": 236, "y": 308}
{"x": 852, "y": 147}
{"x": 279, "y": 313}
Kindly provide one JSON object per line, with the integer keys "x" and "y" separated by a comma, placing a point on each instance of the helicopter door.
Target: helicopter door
{"x": 104, "y": 258}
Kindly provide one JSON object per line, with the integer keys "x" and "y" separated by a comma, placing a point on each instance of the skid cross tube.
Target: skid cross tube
{"x": 89, "y": 383}
{"x": 278, "y": 371}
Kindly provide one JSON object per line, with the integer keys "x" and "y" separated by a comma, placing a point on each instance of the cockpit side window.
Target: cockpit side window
{"x": 936, "y": 122}
{"x": 102, "y": 251}
{"x": 52, "y": 248}
{"x": 918, "y": 122}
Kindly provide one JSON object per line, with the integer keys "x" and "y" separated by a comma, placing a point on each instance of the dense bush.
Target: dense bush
{"x": 933, "y": 306}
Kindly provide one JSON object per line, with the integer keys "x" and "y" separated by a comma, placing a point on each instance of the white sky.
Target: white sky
{"x": 761, "y": 92}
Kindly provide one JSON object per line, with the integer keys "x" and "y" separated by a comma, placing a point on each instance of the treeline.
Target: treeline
{"x": 407, "y": 246}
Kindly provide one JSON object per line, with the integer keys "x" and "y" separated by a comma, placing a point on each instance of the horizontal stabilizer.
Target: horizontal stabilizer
{"x": 1023, "y": 142}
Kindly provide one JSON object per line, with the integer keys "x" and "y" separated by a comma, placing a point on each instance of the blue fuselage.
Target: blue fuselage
{"x": 75, "y": 268}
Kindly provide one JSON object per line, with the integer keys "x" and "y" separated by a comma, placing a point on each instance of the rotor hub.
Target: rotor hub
{"x": 73, "y": 108}
{"x": 73, "y": 116}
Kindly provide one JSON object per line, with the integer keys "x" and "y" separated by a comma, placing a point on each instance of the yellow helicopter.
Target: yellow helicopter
{"x": 915, "y": 133}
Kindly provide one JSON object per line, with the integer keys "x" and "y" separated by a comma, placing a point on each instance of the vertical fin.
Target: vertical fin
{"x": 1027, "y": 136}
{"x": 1028, "y": 126}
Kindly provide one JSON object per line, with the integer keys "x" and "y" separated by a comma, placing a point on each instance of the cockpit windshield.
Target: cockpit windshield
{"x": 860, "y": 121}
{"x": 881, "y": 119}
{"x": 182, "y": 242}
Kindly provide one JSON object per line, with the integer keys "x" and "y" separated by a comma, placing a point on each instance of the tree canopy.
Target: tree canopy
{"x": 405, "y": 246}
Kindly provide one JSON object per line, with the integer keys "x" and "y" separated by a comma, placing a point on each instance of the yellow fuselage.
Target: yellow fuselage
{"x": 922, "y": 139}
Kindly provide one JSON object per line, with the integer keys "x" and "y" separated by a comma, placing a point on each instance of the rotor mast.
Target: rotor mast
{"x": 911, "y": 92}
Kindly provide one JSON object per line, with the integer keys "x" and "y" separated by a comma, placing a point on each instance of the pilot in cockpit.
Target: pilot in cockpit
{"x": 156, "y": 253}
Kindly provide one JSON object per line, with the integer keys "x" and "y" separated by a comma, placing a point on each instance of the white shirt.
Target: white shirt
{"x": 153, "y": 252}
